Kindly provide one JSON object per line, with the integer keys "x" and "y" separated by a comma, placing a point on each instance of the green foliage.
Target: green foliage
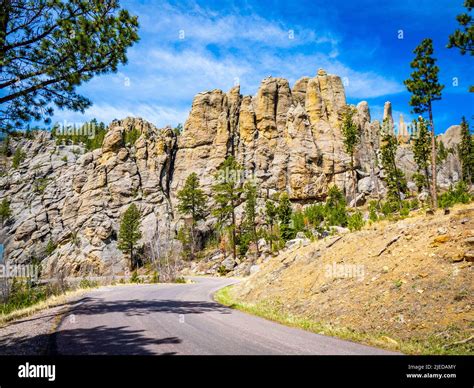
{"x": 90, "y": 134}
{"x": 244, "y": 240}
{"x": 373, "y": 207}
{"x": 298, "y": 221}
{"x": 129, "y": 232}
{"x": 5, "y": 147}
{"x": 184, "y": 237}
{"x": 456, "y": 194}
{"x": 132, "y": 136}
{"x": 466, "y": 152}
{"x": 155, "y": 277}
{"x": 180, "y": 280}
{"x": 414, "y": 204}
{"x": 52, "y": 47}
{"x": 463, "y": 39}
{"x": 249, "y": 232}
{"x": 350, "y": 132}
{"x": 87, "y": 283}
{"x": 5, "y": 211}
{"x": 422, "y": 153}
{"x": 40, "y": 184}
{"x": 222, "y": 270}
{"x": 135, "y": 278}
{"x": 314, "y": 214}
{"x": 425, "y": 88}
{"x": 192, "y": 200}
{"x": 420, "y": 180}
{"x": 271, "y": 215}
{"x": 227, "y": 191}
{"x": 405, "y": 209}
{"x": 50, "y": 247}
{"x": 271, "y": 212}
{"x": 335, "y": 208}
{"x": 355, "y": 221}
{"x": 64, "y": 158}
{"x": 178, "y": 130}
{"x": 18, "y": 157}
{"x": 389, "y": 207}
{"x": 441, "y": 151}
{"x": 394, "y": 177}
{"x": 23, "y": 294}
{"x": 285, "y": 212}
{"x": 423, "y": 84}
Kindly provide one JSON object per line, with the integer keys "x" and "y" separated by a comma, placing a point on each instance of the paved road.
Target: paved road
{"x": 181, "y": 319}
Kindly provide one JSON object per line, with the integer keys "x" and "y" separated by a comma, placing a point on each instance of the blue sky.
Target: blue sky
{"x": 191, "y": 46}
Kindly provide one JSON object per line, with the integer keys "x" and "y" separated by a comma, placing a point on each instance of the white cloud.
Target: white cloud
{"x": 200, "y": 25}
{"x": 164, "y": 74}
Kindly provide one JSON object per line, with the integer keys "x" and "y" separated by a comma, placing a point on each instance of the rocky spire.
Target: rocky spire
{"x": 387, "y": 114}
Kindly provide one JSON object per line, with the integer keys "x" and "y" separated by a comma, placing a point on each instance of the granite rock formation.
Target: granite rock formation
{"x": 288, "y": 139}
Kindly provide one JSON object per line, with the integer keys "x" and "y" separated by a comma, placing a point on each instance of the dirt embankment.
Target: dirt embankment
{"x": 410, "y": 280}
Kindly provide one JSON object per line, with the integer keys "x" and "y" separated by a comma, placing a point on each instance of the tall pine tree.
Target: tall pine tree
{"x": 351, "y": 137}
{"x": 466, "y": 152}
{"x": 425, "y": 88}
{"x": 422, "y": 151}
{"x": 227, "y": 196}
{"x": 192, "y": 201}
{"x": 284, "y": 216}
{"x": 130, "y": 233}
{"x": 250, "y": 221}
{"x": 394, "y": 177}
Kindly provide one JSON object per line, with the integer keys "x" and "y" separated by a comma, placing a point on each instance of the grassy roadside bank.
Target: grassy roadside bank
{"x": 433, "y": 344}
{"x": 52, "y": 301}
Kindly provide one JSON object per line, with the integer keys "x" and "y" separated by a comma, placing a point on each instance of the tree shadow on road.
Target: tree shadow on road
{"x": 98, "y": 340}
{"x": 138, "y": 307}
{"x": 102, "y": 340}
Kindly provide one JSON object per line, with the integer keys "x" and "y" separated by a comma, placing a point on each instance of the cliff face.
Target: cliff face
{"x": 288, "y": 139}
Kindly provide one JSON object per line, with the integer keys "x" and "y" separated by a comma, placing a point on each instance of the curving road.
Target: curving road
{"x": 181, "y": 319}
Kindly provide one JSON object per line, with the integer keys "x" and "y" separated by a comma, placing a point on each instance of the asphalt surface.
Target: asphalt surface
{"x": 181, "y": 320}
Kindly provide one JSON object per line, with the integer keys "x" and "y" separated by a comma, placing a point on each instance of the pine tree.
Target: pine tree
{"x": 50, "y": 247}
{"x": 394, "y": 177}
{"x": 284, "y": 216}
{"x": 464, "y": 40}
{"x": 192, "y": 202}
{"x": 335, "y": 212}
{"x": 129, "y": 232}
{"x": 425, "y": 88}
{"x": 271, "y": 214}
{"x": 227, "y": 192}
{"x": 18, "y": 157}
{"x": 50, "y": 47}
{"x": 250, "y": 221}
{"x": 5, "y": 211}
{"x": 5, "y": 146}
{"x": 466, "y": 152}
{"x": 351, "y": 137}
{"x": 422, "y": 151}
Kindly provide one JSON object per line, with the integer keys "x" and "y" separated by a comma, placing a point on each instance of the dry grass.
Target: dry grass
{"x": 52, "y": 301}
